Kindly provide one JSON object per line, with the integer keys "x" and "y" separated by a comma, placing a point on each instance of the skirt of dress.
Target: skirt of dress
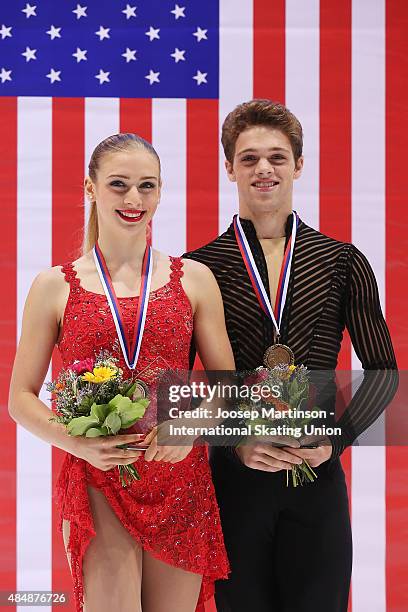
{"x": 171, "y": 512}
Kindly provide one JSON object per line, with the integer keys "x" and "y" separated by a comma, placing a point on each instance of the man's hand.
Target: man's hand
{"x": 268, "y": 458}
{"x": 314, "y": 456}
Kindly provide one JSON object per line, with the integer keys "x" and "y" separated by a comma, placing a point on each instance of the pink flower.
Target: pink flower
{"x": 257, "y": 377}
{"x": 86, "y": 365}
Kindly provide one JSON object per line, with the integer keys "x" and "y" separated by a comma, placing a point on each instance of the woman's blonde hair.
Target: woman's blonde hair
{"x": 112, "y": 144}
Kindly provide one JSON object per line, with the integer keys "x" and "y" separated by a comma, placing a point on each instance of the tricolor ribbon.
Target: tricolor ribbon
{"x": 130, "y": 350}
{"x": 274, "y": 314}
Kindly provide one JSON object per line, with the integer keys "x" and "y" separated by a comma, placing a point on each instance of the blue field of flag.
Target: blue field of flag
{"x": 109, "y": 48}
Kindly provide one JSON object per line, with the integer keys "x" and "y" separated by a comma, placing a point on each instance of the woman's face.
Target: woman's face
{"x": 127, "y": 189}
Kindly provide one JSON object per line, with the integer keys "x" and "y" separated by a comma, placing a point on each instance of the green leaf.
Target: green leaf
{"x": 293, "y": 387}
{"x": 95, "y": 432}
{"x": 113, "y": 422}
{"x": 80, "y": 425}
{"x": 119, "y": 401}
{"x": 100, "y": 411}
{"x": 86, "y": 402}
{"x": 144, "y": 402}
{"x": 129, "y": 390}
{"x": 133, "y": 413}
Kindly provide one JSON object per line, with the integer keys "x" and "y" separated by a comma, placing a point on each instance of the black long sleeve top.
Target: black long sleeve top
{"x": 331, "y": 287}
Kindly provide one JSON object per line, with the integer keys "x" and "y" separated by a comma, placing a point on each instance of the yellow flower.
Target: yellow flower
{"x": 100, "y": 375}
{"x": 286, "y": 375}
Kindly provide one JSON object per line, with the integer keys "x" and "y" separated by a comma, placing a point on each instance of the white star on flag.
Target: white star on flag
{"x": 178, "y": 11}
{"x": 129, "y": 11}
{"x": 80, "y": 54}
{"x": 80, "y": 11}
{"x": 29, "y": 10}
{"x": 5, "y": 32}
{"x": 5, "y": 75}
{"x": 29, "y": 54}
{"x": 129, "y": 55}
{"x": 54, "y": 32}
{"x": 153, "y": 77}
{"x": 103, "y": 77}
{"x": 178, "y": 55}
{"x": 103, "y": 33}
{"x": 200, "y": 77}
{"x": 200, "y": 34}
{"x": 54, "y": 75}
{"x": 153, "y": 33}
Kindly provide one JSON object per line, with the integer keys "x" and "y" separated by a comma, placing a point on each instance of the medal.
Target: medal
{"x": 277, "y": 354}
{"x": 130, "y": 350}
{"x": 141, "y": 390}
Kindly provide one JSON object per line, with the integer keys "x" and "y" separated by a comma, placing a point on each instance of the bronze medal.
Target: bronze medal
{"x": 278, "y": 354}
{"x": 141, "y": 390}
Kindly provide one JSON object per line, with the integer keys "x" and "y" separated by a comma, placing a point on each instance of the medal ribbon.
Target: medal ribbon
{"x": 274, "y": 314}
{"x": 130, "y": 350}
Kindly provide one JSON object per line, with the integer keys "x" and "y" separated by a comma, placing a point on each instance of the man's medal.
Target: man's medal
{"x": 278, "y": 353}
{"x": 130, "y": 349}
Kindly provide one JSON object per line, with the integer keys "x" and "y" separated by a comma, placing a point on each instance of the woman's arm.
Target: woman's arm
{"x": 38, "y": 337}
{"x": 210, "y": 334}
{"x": 215, "y": 351}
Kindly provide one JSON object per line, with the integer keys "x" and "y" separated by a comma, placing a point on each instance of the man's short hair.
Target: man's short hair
{"x": 261, "y": 112}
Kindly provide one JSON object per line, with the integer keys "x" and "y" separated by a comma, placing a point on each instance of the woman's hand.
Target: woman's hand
{"x": 102, "y": 452}
{"x": 172, "y": 453}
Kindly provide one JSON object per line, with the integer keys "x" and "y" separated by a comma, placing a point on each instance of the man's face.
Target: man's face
{"x": 264, "y": 169}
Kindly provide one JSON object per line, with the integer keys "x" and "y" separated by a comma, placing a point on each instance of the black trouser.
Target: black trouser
{"x": 290, "y": 549}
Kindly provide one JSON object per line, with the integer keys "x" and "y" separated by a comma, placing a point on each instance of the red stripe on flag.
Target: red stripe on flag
{"x": 67, "y": 233}
{"x": 396, "y": 282}
{"x": 136, "y": 117}
{"x": 335, "y": 143}
{"x": 8, "y": 335}
{"x": 67, "y": 178}
{"x": 202, "y": 172}
{"x": 335, "y": 129}
{"x": 269, "y": 49}
{"x": 202, "y": 176}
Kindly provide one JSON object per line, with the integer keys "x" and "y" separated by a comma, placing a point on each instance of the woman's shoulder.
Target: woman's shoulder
{"x": 197, "y": 270}
{"x": 191, "y": 268}
{"x": 47, "y": 291}
{"x": 49, "y": 279}
{"x": 55, "y": 277}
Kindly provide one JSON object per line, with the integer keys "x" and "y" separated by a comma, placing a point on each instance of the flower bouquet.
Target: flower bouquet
{"x": 91, "y": 398}
{"x": 286, "y": 392}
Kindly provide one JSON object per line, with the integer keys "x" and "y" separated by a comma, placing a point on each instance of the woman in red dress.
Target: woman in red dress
{"x": 156, "y": 545}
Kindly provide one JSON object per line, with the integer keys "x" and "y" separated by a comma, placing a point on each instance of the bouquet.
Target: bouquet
{"x": 91, "y": 398}
{"x": 282, "y": 408}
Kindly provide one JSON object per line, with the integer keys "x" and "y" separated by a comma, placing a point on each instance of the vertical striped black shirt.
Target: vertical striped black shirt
{"x": 331, "y": 287}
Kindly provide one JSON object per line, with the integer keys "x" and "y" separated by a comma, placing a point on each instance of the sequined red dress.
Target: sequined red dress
{"x": 172, "y": 511}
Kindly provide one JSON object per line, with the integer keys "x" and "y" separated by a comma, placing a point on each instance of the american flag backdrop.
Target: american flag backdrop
{"x": 72, "y": 74}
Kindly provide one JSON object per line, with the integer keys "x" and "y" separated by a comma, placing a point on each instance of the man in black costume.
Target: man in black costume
{"x": 290, "y": 548}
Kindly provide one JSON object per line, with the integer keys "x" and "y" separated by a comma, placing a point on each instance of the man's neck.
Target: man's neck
{"x": 270, "y": 224}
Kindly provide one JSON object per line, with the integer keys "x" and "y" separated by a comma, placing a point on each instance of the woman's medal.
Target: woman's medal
{"x": 277, "y": 354}
{"x": 130, "y": 349}
{"x": 141, "y": 390}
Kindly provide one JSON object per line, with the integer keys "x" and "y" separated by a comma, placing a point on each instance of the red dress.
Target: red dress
{"x": 172, "y": 511}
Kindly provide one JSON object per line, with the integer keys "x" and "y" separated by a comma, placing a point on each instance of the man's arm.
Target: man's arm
{"x": 372, "y": 344}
